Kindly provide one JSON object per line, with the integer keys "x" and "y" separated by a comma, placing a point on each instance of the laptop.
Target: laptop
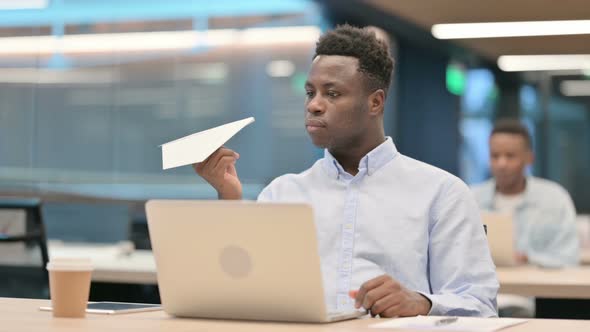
{"x": 238, "y": 260}
{"x": 500, "y": 235}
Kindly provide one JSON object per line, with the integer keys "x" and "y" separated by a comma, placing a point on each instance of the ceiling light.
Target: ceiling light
{"x": 575, "y": 88}
{"x": 155, "y": 41}
{"x": 280, "y": 68}
{"x": 510, "y": 29}
{"x": 48, "y": 76}
{"x": 23, "y": 4}
{"x": 280, "y": 35}
{"x": 544, "y": 62}
{"x": 212, "y": 72}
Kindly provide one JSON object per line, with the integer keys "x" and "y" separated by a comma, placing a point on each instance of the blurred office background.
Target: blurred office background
{"x": 89, "y": 89}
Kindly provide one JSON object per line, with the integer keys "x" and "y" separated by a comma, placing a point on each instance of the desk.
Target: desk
{"x": 560, "y": 293}
{"x": 138, "y": 266}
{"x": 569, "y": 283}
{"x": 111, "y": 263}
{"x": 23, "y": 315}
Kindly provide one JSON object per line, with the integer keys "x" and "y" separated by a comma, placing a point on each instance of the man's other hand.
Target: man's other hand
{"x": 386, "y": 297}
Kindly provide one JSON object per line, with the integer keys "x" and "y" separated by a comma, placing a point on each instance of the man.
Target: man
{"x": 406, "y": 235}
{"x": 543, "y": 212}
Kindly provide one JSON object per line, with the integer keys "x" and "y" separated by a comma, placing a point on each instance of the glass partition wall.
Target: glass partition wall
{"x": 88, "y": 99}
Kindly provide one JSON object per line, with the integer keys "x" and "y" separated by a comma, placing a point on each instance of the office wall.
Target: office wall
{"x": 92, "y": 123}
{"x": 428, "y": 115}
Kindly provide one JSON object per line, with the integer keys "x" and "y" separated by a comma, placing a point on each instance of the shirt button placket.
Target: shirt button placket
{"x": 347, "y": 246}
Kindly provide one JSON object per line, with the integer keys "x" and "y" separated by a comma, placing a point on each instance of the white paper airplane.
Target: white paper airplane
{"x": 197, "y": 147}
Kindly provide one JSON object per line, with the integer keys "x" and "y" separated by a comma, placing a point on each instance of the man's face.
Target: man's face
{"x": 509, "y": 156}
{"x": 337, "y": 103}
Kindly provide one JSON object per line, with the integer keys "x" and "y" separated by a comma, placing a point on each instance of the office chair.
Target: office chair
{"x": 34, "y": 235}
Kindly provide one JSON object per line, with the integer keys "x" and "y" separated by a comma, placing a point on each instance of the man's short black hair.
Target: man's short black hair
{"x": 373, "y": 56}
{"x": 515, "y": 127}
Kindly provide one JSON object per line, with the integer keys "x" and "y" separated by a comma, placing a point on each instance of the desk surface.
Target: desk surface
{"x": 572, "y": 283}
{"x": 112, "y": 263}
{"x": 23, "y": 315}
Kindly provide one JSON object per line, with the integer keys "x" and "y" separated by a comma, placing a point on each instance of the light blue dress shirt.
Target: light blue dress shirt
{"x": 544, "y": 223}
{"x": 396, "y": 216}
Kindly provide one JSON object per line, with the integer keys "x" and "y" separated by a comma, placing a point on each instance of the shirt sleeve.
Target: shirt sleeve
{"x": 461, "y": 273}
{"x": 554, "y": 239}
{"x": 266, "y": 195}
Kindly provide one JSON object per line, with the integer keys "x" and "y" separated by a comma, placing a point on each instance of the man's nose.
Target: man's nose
{"x": 316, "y": 105}
{"x": 501, "y": 162}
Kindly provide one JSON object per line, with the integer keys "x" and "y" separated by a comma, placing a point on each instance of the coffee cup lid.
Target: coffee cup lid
{"x": 70, "y": 264}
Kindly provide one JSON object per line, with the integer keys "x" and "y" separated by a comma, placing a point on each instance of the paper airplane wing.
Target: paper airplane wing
{"x": 197, "y": 147}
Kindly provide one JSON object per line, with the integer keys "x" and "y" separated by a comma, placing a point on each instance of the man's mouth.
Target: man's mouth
{"x": 314, "y": 124}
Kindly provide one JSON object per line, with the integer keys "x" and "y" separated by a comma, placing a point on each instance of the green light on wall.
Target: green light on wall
{"x": 494, "y": 93}
{"x": 455, "y": 79}
{"x": 298, "y": 83}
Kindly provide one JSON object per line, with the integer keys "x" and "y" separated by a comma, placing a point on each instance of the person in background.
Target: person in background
{"x": 396, "y": 236}
{"x": 542, "y": 210}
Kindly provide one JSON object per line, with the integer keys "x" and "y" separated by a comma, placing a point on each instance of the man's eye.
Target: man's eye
{"x": 309, "y": 94}
{"x": 333, "y": 94}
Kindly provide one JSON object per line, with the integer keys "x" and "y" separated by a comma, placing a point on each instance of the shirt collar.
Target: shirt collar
{"x": 491, "y": 192}
{"x": 371, "y": 162}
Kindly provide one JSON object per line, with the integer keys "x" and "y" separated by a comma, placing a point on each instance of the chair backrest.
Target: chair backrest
{"x": 34, "y": 229}
{"x": 30, "y": 234}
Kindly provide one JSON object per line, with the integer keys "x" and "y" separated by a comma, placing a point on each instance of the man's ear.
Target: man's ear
{"x": 377, "y": 102}
{"x": 530, "y": 157}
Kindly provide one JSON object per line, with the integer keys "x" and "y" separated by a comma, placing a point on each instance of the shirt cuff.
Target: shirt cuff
{"x": 435, "y": 309}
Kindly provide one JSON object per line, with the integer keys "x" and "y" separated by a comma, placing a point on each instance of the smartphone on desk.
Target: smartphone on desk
{"x": 115, "y": 308}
